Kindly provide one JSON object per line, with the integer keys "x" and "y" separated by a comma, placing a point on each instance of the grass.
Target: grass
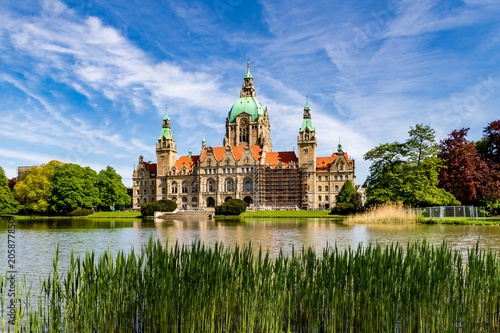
{"x": 287, "y": 214}
{"x": 417, "y": 288}
{"x": 116, "y": 215}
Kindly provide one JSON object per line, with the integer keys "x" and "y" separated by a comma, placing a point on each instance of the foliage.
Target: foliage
{"x": 343, "y": 208}
{"x": 388, "y": 212}
{"x": 407, "y": 172}
{"x": 81, "y": 212}
{"x": 111, "y": 189}
{"x": 231, "y": 207}
{"x": 490, "y": 144}
{"x": 74, "y": 187}
{"x": 34, "y": 189}
{"x": 8, "y": 203}
{"x": 466, "y": 174}
{"x": 164, "y": 205}
{"x": 346, "y": 192}
{"x": 414, "y": 287}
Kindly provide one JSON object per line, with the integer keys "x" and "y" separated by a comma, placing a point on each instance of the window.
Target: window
{"x": 319, "y": 197}
{"x": 194, "y": 187}
{"x": 152, "y": 182}
{"x": 184, "y": 187}
{"x": 336, "y": 187}
{"x": 145, "y": 191}
{"x": 234, "y": 170}
{"x": 326, "y": 177}
{"x": 229, "y": 185}
{"x": 326, "y": 198}
{"x": 319, "y": 188}
{"x": 341, "y": 167}
{"x": 152, "y": 191}
{"x": 163, "y": 190}
{"x": 145, "y": 200}
{"x": 174, "y": 187}
{"x": 223, "y": 170}
{"x": 206, "y": 171}
{"x": 210, "y": 186}
{"x": 138, "y": 200}
{"x": 137, "y": 182}
{"x": 137, "y": 191}
{"x": 346, "y": 177}
{"x": 184, "y": 199}
{"x": 326, "y": 188}
{"x": 247, "y": 185}
{"x": 195, "y": 199}
{"x": 340, "y": 177}
{"x": 336, "y": 178}
{"x": 319, "y": 178}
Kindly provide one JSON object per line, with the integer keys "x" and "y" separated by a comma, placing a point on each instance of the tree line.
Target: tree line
{"x": 422, "y": 172}
{"x": 62, "y": 188}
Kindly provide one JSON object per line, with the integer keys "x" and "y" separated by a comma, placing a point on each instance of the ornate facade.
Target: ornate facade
{"x": 245, "y": 167}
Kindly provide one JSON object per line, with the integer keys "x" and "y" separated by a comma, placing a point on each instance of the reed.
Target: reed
{"x": 389, "y": 212}
{"x": 413, "y": 288}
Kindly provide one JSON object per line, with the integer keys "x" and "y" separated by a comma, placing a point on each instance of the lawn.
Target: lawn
{"x": 115, "y": 215}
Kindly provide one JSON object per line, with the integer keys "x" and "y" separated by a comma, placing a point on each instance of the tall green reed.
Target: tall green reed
{"x": 195, "y": 288}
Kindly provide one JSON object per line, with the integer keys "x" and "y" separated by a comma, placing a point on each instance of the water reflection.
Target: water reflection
{"x": 36, "y": 240}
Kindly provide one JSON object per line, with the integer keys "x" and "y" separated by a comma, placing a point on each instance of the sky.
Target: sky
{"x": 87, "y": 82}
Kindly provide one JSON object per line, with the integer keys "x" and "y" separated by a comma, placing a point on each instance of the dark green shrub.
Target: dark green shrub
{"x": 81, "y": 212}
{"x": 231, "y": 207}
{"x": 343, "y": 208}
{"x": 164, "y": 205}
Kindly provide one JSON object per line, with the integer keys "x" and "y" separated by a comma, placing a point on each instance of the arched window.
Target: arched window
{"x": 163, "y": 190}
{"x": 326, "y": 188}
{"x": 145, "y": 200}
{"x": 194, "y": 199}
{"x": 138, "y": 200}
{"x": 227, "y": 199}
{"x": 346, "y": 177}
{"x": 137, "y": 191}
{"x": 340, "y": 177}
{"x": 243, "y": 135}
{"x": 336, "y": 178}
{"x": 319, "y": 198}
{"x": 341, "y": 167}
{"x": 319, "y": 188}
{"x": 210, "y": 186}
{"x": 248, "y": 185}
{"x": 194, "y": 187}
{"x": 229, "y": 185}
{"x": 184, "y": 199}
{"x": 184, "y": 187}
{"x": 336, "y": 188}
{"x": 326, "y": 198}
{"x": 174, "y": 187}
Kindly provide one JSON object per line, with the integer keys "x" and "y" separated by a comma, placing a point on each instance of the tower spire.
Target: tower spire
{"x": 248, "y": 90}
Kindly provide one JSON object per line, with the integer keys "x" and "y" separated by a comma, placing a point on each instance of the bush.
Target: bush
{"x": 81, "y": 212}
{"x": 163, "y": 205}
{"x": 343, "y": 208}
{"x": 231, "y": 207}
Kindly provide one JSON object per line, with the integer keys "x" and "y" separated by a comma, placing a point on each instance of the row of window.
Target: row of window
{"x": 228, "y": 170}
{"x": 336, "y": 188}
{"x": 144, "y": 182}
{"x": 346, "y": 177}
{"x": 320, "y": 198}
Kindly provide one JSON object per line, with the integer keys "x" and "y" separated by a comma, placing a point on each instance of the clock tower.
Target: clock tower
{"x": 248, "y": 122}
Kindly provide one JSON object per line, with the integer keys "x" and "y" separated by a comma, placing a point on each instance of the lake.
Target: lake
{"x": 36, "y": 240}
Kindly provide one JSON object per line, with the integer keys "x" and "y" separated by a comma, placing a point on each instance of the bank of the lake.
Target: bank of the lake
{"x": 260, "y": 214}
{"x": 106, "y": 215}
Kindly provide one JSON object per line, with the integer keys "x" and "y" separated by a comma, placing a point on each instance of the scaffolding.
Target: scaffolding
{"x": 280, "y": 188}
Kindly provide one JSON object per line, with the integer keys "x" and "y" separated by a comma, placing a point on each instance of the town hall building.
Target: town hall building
{"x": 245, "y": 167}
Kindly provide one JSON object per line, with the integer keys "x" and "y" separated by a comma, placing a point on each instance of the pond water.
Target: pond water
{"x": 36, "y": 240}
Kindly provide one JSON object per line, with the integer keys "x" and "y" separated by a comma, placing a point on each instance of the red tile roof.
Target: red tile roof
{"x": 187, "y": 161}
{"x": 237, "y": 152}
{"x": 151, "y": 167}
{"x": 324, "y": 163}
{"x": 284, "y": 157}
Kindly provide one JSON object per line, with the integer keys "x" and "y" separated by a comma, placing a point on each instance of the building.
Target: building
{"x": 245, "y": 167}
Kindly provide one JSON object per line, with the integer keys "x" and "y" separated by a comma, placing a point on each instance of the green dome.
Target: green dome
{"x": 246, "y": 104}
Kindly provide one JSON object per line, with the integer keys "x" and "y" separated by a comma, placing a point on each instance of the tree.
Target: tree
{"x": 407, "y": 172}
{"x": 74, "y": 187}
{"x": 34, "y": 189}
{"x": 164, "y": 205}
{"x": 489, "y": 146}
{"x": 466, "y": 174}
{"x": 111, "y": 189}
{"x": 346, "y": 192}
{"x": 7, "y": 202}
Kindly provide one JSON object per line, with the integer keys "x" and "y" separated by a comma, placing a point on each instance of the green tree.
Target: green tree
{"x": 7, "y": 202}
{"x": 231, "y": 207}
{"x": 346, "y": 192}
{"x": 34, "y": 189}
{"x": 163, "y": 205}
{"x": 407, "y": 172}
{"x": 74, "y": 187}
{"x": 111, "y": 189}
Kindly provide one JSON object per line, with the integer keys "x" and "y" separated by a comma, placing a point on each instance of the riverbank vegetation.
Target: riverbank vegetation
{"x": 388, "y": 212}
{"x": 195, "y": 288}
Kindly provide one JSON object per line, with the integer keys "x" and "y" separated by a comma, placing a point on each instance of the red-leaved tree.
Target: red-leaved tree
{"x": 466, "y": 174}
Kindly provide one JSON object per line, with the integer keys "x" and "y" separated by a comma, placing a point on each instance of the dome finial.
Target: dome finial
{"x": 166, "y": 112}
{"x": 248, "y": 74}
{"x": 340, "y": 145}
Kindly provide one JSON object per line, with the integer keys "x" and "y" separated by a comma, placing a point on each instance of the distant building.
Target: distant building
{"x": 22, "y": 170}
{"x": 245, "y": 167}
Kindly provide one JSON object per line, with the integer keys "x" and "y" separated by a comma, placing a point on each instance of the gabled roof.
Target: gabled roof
{"x": 324, "y": 163}
{"x": 186, "y": 161}
{"x": 236, "y": 150}
{"x": 285, "y": 157}
{"x": 151, "y": 167}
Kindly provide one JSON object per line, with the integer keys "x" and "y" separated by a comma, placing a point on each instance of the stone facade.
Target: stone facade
{"x": 245, "y": 167}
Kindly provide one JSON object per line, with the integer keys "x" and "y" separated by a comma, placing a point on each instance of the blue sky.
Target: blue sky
{"x": 87, "y": 83}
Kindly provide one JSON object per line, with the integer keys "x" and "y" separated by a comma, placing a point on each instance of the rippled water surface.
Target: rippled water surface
{"x": 36, "y": 240}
